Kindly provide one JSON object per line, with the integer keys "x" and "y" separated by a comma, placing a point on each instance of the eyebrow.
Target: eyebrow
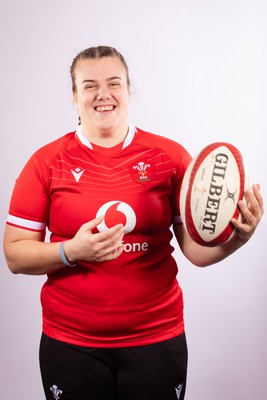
{"x": 108, "y": 79}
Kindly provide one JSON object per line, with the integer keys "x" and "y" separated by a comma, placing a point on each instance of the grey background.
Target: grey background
{"x": 198, "y": 71}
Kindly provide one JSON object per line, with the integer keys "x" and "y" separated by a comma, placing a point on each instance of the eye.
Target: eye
{"x": 114, "y": 84}
{"x": 90, "y": 86}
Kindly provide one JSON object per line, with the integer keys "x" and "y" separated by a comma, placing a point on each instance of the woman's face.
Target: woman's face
{"x": 102, "y": 95}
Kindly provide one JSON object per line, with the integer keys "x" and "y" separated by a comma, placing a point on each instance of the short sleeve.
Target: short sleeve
{"x": 182, "y": 161}
{"x": 30, "y": 201}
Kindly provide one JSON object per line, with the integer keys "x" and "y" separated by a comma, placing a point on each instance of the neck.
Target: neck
{"x": 105, "y": 137}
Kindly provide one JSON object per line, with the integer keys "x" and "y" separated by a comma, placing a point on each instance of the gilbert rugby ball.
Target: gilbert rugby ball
{"x": 212, "y": 186}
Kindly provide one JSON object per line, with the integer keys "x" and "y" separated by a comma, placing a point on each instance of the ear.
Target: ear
{"x": 74, "y": 95}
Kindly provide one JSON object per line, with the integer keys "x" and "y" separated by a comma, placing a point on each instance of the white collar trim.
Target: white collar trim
{"x": 128, "y": 140}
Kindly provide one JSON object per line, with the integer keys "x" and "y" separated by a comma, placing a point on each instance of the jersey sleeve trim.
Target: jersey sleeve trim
{"x": 25, "y": 223}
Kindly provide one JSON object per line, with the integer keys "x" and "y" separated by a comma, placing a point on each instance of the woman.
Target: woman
{"x": 109, "y": 192}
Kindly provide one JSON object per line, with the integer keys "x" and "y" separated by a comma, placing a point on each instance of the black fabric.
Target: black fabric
{"x": 152, "y": 372}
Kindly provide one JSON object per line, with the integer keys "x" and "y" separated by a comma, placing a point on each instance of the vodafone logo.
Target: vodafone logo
{"x": 116, "y": 212}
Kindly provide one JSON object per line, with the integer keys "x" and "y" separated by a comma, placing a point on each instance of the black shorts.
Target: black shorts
{"x": 151, "y": 372}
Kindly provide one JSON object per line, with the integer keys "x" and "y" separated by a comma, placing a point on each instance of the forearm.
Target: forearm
{"x": 26, "y": 252}
{"x": 32, "y": 257}
{"x": 204, "y": 256}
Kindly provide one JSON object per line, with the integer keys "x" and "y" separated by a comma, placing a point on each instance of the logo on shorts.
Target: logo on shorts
{"x": 56, "y": 392}
{"x": 178, "y": 390}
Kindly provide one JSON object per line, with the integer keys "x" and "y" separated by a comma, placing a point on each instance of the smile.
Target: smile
{"x": 104, "y": 108}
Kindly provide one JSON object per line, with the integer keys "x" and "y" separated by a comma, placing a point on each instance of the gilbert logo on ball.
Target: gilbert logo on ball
{"x": 213, "y": 184}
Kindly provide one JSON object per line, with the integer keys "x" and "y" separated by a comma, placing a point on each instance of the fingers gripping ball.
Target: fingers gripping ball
{"x": 213, "y": 184}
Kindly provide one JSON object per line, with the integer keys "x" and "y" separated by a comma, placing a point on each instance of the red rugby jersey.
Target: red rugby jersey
{"x": 135, "y": 299}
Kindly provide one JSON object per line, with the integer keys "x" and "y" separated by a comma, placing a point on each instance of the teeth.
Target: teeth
{"x": 104, "y": 108}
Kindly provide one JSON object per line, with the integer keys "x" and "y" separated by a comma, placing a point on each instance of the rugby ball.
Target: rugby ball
{"x": 212, "y": 186}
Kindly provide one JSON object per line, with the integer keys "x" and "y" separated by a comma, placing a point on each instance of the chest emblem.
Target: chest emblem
{"x": 142, "y": 171}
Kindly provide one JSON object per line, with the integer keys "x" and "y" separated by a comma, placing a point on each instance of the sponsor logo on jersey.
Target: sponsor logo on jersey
{"x": 116, "y": 212}
{"x": 134, "y": 247}
{"x": 77, "y": 173}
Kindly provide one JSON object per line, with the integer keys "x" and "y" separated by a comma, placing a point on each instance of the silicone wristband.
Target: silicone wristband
{"x": 63, "y": 256}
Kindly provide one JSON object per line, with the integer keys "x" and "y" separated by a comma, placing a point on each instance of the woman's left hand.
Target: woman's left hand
{"x": 252, "y": 211}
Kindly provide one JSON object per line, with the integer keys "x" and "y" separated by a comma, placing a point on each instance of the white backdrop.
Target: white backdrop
{"x": 198, "y": 71}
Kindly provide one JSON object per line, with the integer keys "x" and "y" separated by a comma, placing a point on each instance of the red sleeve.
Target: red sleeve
{"x": 183, "y": 160}
{"x": 30, "y": 202}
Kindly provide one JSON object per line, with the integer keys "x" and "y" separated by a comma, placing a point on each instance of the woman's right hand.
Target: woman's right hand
{"x": 100, "y": 246}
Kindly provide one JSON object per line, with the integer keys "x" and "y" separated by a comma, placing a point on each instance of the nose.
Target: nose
{"x": 103, "y": 93}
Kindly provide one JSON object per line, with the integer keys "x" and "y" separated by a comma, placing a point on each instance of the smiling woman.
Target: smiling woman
{"x": 109, "y": 193}
{"x": 101, "y": 94}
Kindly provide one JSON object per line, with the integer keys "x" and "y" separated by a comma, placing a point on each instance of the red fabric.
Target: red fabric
{"x": 135, "y": 299}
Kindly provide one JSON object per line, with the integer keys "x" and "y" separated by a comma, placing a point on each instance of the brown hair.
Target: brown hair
{"x": 97, "y": 52}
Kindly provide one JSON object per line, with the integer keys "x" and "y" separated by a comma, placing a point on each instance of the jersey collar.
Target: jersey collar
{"x": 128, "y": 140}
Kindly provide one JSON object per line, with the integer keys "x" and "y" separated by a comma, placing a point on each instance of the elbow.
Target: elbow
{"x": 203, "y": 262}
{"x": 14, "y": 271}
{"x": 12, "y": 266}
{"x": 11, "y": 261}
{"x": 198, "y": 262}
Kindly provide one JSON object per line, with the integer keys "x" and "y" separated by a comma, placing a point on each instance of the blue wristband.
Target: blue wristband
{"x": 63, "y": 256}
